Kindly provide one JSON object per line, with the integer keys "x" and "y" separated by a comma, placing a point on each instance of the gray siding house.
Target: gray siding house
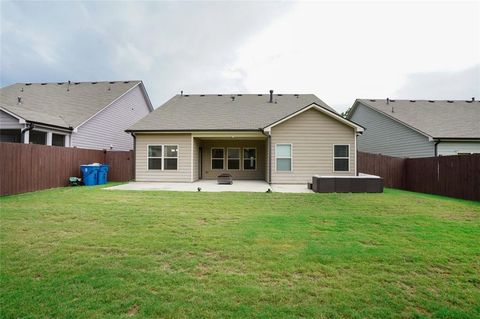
{"x": 281, "y": 138}
{"x": 417, "y": 128}
{"x": 90, "y": 115}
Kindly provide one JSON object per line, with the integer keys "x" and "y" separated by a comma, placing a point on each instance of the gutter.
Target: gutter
{"x": 30, "y": 126}
{"x": 269, "y": 144}
{"x": 134, "y": 154}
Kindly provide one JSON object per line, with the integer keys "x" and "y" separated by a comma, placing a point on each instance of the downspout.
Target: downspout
{"x": 436, "y": 148}
{"x": 269, "y": 144}
{"x": 134, "y": 154}
{"x": 29, "y": 127}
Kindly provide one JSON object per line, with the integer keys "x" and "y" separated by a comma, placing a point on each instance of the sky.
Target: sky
{"x": 339, "y": 51}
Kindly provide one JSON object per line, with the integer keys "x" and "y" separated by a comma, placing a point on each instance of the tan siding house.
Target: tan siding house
{"x": 279, "y": 139}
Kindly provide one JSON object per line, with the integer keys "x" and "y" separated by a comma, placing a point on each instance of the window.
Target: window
{"x": 249, "y": 158}
{"x": 284, "y": 157}
{"x": 170, "y": 157}
{"x": 218, "y": 157}
{"x": 58, "y": 139}
{"x": 38, "y": 137}
{"x": 233, "y": 155}
{"x": 155, "y": 157}
{"x": 341, "y": 158}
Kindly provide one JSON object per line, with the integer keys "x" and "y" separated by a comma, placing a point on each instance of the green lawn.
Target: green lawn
{"x": 91, "y": 253}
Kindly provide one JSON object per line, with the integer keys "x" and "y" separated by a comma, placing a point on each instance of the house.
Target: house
{"x": 417, "y": 128}
{"x": 281, "y": 138}
{"x": 90, "y": 115}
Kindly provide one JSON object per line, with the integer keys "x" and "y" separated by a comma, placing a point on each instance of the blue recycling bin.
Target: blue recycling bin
{"x": 102, "y": 174}
{"x": 90, "y": 174}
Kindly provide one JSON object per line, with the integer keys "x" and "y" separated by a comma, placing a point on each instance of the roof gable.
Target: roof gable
{"x": 62, "y": 104}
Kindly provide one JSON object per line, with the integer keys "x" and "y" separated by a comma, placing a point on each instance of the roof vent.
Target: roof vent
{"x": 43, "y": 83}
{"x": 113, "y": 82}
{"x": 28, "y": 83}
{"x": 296, "y": 95}
{"x": 473, "y": 99}
{"x": 68, "y": 87}
{"x": 413, "y": 101}
{"x": 450, "y": 101}
{"x": 219, "y": 94}
{"x": 60, "y": 83}
{"x": 239, "y": 94}
{"x": 271, "y": 96}
{"x": 279, "y": 94}
{"x": 126, "y": 81}
{"x": 388, "y": 100}
{"x": 202, "y": 94}
{"x": 181, "y": 92}
{"x": 259, "y": 94}
{"x": 431, "y": 101}
{"x": 373, "y": 100}
{"x": 19, "y": 100}
{"x": 233, "y": 98}
{"x": 94, "y": 82}
{"x": 392, "y": 100}
{"x": 186, "y": 95}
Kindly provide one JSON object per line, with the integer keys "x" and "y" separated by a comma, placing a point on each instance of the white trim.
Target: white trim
{"x": 243, "y": 159}
{"x": 318, "y": 108}
{"x": 49, "y": 138}
{"x": 20, "y": 119}
{"x": 217, "y": 158}
{"x": 354, "y": 152}
{"x": 239, "y": 158}
{"x": 291, "y": 157}
{"x": 118, "y": 98}
{"x": 333, "y": 158}
{"x": 156, "y": 157}
{"x": 191, "y": 158}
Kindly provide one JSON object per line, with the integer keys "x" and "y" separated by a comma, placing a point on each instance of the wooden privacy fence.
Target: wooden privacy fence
{"x": 454, "y": 176}
{"x": 29, "y": 167}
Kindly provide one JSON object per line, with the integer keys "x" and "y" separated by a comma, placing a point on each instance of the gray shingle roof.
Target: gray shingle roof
{"x": 51, "y": 103}
{"x": 436, "y": 118}
{"x": 223, "y": 112}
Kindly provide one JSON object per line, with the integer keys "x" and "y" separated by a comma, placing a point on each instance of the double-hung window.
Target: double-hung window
{"x": 249, "y": 158}
{"x": 341, "y": 158}
{"x": 170, "y": 157}
{"x": 233, "y": 161}
{"x": 283, "y": 155}
{"x": 163, "y": 157}
{"x": 155, "y": 157}
{"x": 218, "y": 157}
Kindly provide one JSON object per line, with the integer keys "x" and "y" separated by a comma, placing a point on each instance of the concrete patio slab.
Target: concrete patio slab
{"x": 211, "y": 186}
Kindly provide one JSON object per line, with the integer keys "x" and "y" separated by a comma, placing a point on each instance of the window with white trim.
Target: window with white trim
{"x": 218, "y": 157}
{"x": 233, "y": 158}
{"x": 249, "y": 158}
{"x": 341, "y": 158}
{"x": 283, "y": 156}
{"x": 170, "y": 157}
{"x": 155, "y": 157}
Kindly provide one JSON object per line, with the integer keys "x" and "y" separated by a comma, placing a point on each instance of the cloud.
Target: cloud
{"x": 457, "y": 85}
{"x": 337, "y": 50}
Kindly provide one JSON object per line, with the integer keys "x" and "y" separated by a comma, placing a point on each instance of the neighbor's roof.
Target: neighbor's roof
{"x": 61, "y": 104}
{"x": 224, "y": 112}
{"x": 435, "y": 118}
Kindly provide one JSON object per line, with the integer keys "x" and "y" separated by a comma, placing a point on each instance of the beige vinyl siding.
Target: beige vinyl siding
{"x": 258, "y": 174}
{"x": 184, "y": 171}
{"x": 195, "y": 150}
{"x": 312, "y": 135}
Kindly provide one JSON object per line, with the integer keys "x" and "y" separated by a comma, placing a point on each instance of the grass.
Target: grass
{"x": 91, "y": 253}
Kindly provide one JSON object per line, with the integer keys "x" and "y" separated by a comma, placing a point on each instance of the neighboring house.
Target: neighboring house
{"x": 417, "y": 128}
{"x": 74, "y": 114}
{"x": 281, "y": 138}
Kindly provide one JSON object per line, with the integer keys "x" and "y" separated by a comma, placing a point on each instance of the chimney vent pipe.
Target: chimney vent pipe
{"x": 271, "y": 96}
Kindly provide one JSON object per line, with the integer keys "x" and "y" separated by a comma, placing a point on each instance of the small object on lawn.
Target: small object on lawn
{"x": 199, "y": 189}
{"x": 269, "y": 190}
{"x": 74, "y": 181}
{"x": 224, "y": 179}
